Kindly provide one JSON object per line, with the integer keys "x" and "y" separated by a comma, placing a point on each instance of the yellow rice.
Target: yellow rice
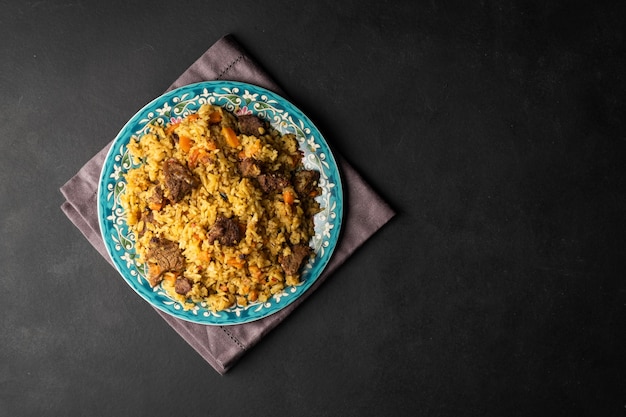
{"x": 221, "y": 276}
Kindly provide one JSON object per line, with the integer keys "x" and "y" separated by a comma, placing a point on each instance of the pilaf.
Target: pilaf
{"x": 221, "y": 208}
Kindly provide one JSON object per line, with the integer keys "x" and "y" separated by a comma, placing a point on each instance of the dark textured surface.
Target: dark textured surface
{"x": 497, "y": 132}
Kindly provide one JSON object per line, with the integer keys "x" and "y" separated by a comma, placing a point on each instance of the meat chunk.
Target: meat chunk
{"x": 305, "y": 181}
{"x": 293, "y": 262}
{"x": 182, "y": 285}
{"x": 179, "y": 181}
{"x": 226, "y": 231}
{"x": 250, "y": 167}
{"x": 163, "y": 256}
{"x": 250, "y": 125}
{"x": 272, "y": 182}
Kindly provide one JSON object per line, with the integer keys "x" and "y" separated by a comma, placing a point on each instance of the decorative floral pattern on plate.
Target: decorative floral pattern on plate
{"x": 240, "y": 98}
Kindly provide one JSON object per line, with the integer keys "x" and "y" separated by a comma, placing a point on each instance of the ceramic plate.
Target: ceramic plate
{"x": 239, "y": 98}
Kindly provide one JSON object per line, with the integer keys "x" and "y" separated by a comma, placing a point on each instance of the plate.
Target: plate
{"x": 240, "y": 98}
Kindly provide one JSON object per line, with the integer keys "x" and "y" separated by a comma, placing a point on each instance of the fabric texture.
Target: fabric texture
{"x": 364, "y": 213}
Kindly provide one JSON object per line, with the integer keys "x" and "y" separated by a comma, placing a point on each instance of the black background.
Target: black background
{"x": 495, "y": 130}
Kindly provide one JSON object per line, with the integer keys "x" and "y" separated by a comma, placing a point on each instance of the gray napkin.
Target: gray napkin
{"x": 364, "y": 213}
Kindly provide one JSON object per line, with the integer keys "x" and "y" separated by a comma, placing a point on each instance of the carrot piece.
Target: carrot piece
{"x": 198, "y": 155}
{"x": 204, "y": 256}
{"x": 156, "y": 205}
{"x": 193, "y": 117}
{"x": 215, "y": 117}
{"x": 193, "y": 158}
{"x": 170, "y": 128}
{"x": 230, "y": 136}
{"x": 289, "y": 197}
{"x": 185, "y": 143}
{"x": 236, "y": 262}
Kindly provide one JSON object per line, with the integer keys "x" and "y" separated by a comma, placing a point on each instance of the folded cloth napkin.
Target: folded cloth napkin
{"x": 364, "y": 213}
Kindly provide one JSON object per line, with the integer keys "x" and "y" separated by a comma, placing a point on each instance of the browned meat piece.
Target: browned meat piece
{"x": 272, "y": 182}
{"x": 305, "y": 181}
{"x": 182, "y": 285}
{"x": 179, "y": 181}
{"x": 163, "y": 256}
{"x": 226, "y": 231}
{"x": 293, "y": 262}
{"x": 250, "y": 124}
{"x": 250, "y": 168}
